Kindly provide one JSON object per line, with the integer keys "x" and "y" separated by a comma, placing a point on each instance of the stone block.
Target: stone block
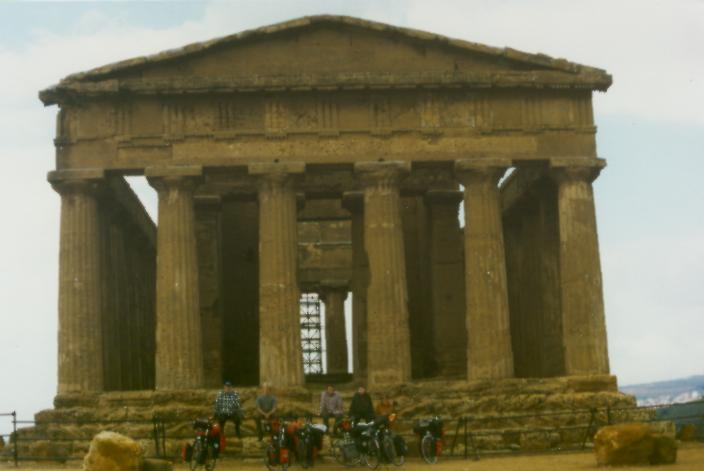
{"x": 633, "y": 444}
{"x": 110, "y": 451}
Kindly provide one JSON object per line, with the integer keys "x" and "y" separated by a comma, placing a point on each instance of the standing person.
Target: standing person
{"x": 361, "y": 407}
{"x": 330, "y": 405}
{"x": 266, "y": 408}
{"x": 227, "y": 407}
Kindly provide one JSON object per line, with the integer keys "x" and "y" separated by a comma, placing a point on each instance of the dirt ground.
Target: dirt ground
{"x": 690, "y": 458}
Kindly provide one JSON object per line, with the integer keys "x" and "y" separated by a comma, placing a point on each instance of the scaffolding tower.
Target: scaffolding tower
{"x": 311, "y": 334}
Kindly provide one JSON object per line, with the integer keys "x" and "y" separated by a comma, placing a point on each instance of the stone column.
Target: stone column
{"x": 179, "y": 350}
{"x": 280, "y": 352}
{"x": 80, "y": 327}
{"x": 447, "y": 281}
{"x": 333, "y": 294}
{"x": 489, "y": 354}
{"x": 583, "y": 324}
{"x": 388, "y": 349}
{"x": 208, "y": 237}
{"x": 354, "y": 202}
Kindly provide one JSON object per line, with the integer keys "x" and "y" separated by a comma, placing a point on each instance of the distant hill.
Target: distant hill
{"x": 667, "y": 392}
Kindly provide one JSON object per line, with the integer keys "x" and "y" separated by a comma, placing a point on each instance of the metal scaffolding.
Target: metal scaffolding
{"x": 311, "y": 334}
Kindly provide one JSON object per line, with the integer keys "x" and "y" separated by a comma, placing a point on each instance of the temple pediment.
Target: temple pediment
{"x": 328, "y": 52}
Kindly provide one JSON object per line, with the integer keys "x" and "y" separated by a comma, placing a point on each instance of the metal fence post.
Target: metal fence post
{"x": 15, "y": 436}
{"x": 155, "y": 433}
{"x": 163, "y": 437}
{"x": 466, "y": 452}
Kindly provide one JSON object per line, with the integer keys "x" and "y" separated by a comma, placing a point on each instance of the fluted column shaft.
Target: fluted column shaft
{"x": 80, "y": 289}
{"x": 388, "y": 336}
{"x": 280, "y": 351}
{"x": 583, "y": 323}
{"x": 489, "y": 354}
{"x": 179, "y": 352}
{"x": 334, "y": 296}
{"x": 354, "y": 203}
{"x": 447, "y": 287}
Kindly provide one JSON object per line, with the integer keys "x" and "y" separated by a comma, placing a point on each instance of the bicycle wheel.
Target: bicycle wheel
{"x": 427, "y": 449}
{"x": 302, "y": 453}
{"x": 271, "y": 458}
{"x": 196, "y": 456}
{"x": 210, "y": 459}
{"x": 388, "y": 450}
{"x": 372, "y": 457}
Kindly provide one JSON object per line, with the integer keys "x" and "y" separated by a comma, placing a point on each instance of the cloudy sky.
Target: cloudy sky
{"x": 650, "y": 202}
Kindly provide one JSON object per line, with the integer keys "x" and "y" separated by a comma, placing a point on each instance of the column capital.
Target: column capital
{"x": 87, "y": 180}
{"x": 385, "y": 172}
{"x": 353, "y": 201}
{"x": 182, "y": 176}
{"x": 472, "y": 171}
{"x": 566, "y": 169}
{"x": 448, "y": 197}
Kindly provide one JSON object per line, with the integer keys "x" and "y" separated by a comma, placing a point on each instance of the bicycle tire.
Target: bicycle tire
{"x": 210, "y": 460}
{"x": 194, "y": 464}
{"x": 372, "y": 457}
{"x": 388, "y": 449}
{"x": 268, "y": 454}
{"x": 427, "y": 449}
{"x": 302, "y": 454}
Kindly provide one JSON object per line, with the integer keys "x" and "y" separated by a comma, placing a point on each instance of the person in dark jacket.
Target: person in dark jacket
{"x": 361, "y": 407}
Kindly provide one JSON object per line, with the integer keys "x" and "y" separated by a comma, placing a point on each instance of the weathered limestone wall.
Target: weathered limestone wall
{"x": 532, "y": 266}
{"x": 446, "y": 286}
{"x": 128, "y": 261}
{"x": 209, "y": 240}
{"x": 240, "y": 266}
{"x": 420, "y": 316}
{"x": 354, "y": 203}
{"x": 324, "y": 251}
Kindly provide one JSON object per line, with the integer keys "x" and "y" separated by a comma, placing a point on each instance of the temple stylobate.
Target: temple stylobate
{"x": 328, "y": 155}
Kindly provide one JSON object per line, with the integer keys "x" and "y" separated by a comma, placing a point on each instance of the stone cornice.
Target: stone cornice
{"x": 66, "y": 91}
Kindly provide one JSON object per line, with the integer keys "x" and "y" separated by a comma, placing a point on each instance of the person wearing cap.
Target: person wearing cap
{"x": 228, "y": 407}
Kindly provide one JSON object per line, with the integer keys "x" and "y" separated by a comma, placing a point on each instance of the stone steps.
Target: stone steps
{"x": 522, "y": 412}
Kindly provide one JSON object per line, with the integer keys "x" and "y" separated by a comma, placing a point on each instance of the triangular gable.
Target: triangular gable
{"x": 339, "y": 48}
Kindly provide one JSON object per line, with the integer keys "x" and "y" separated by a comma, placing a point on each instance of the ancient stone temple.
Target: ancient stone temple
{"x": 328, "y": 155}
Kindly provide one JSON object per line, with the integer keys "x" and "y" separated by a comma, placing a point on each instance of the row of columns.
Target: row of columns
{"x": 379, "y": 268}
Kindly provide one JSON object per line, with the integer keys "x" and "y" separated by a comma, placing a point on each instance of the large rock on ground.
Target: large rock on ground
{"x": 632, "y": 444}
{"x": 110, "y": 451}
